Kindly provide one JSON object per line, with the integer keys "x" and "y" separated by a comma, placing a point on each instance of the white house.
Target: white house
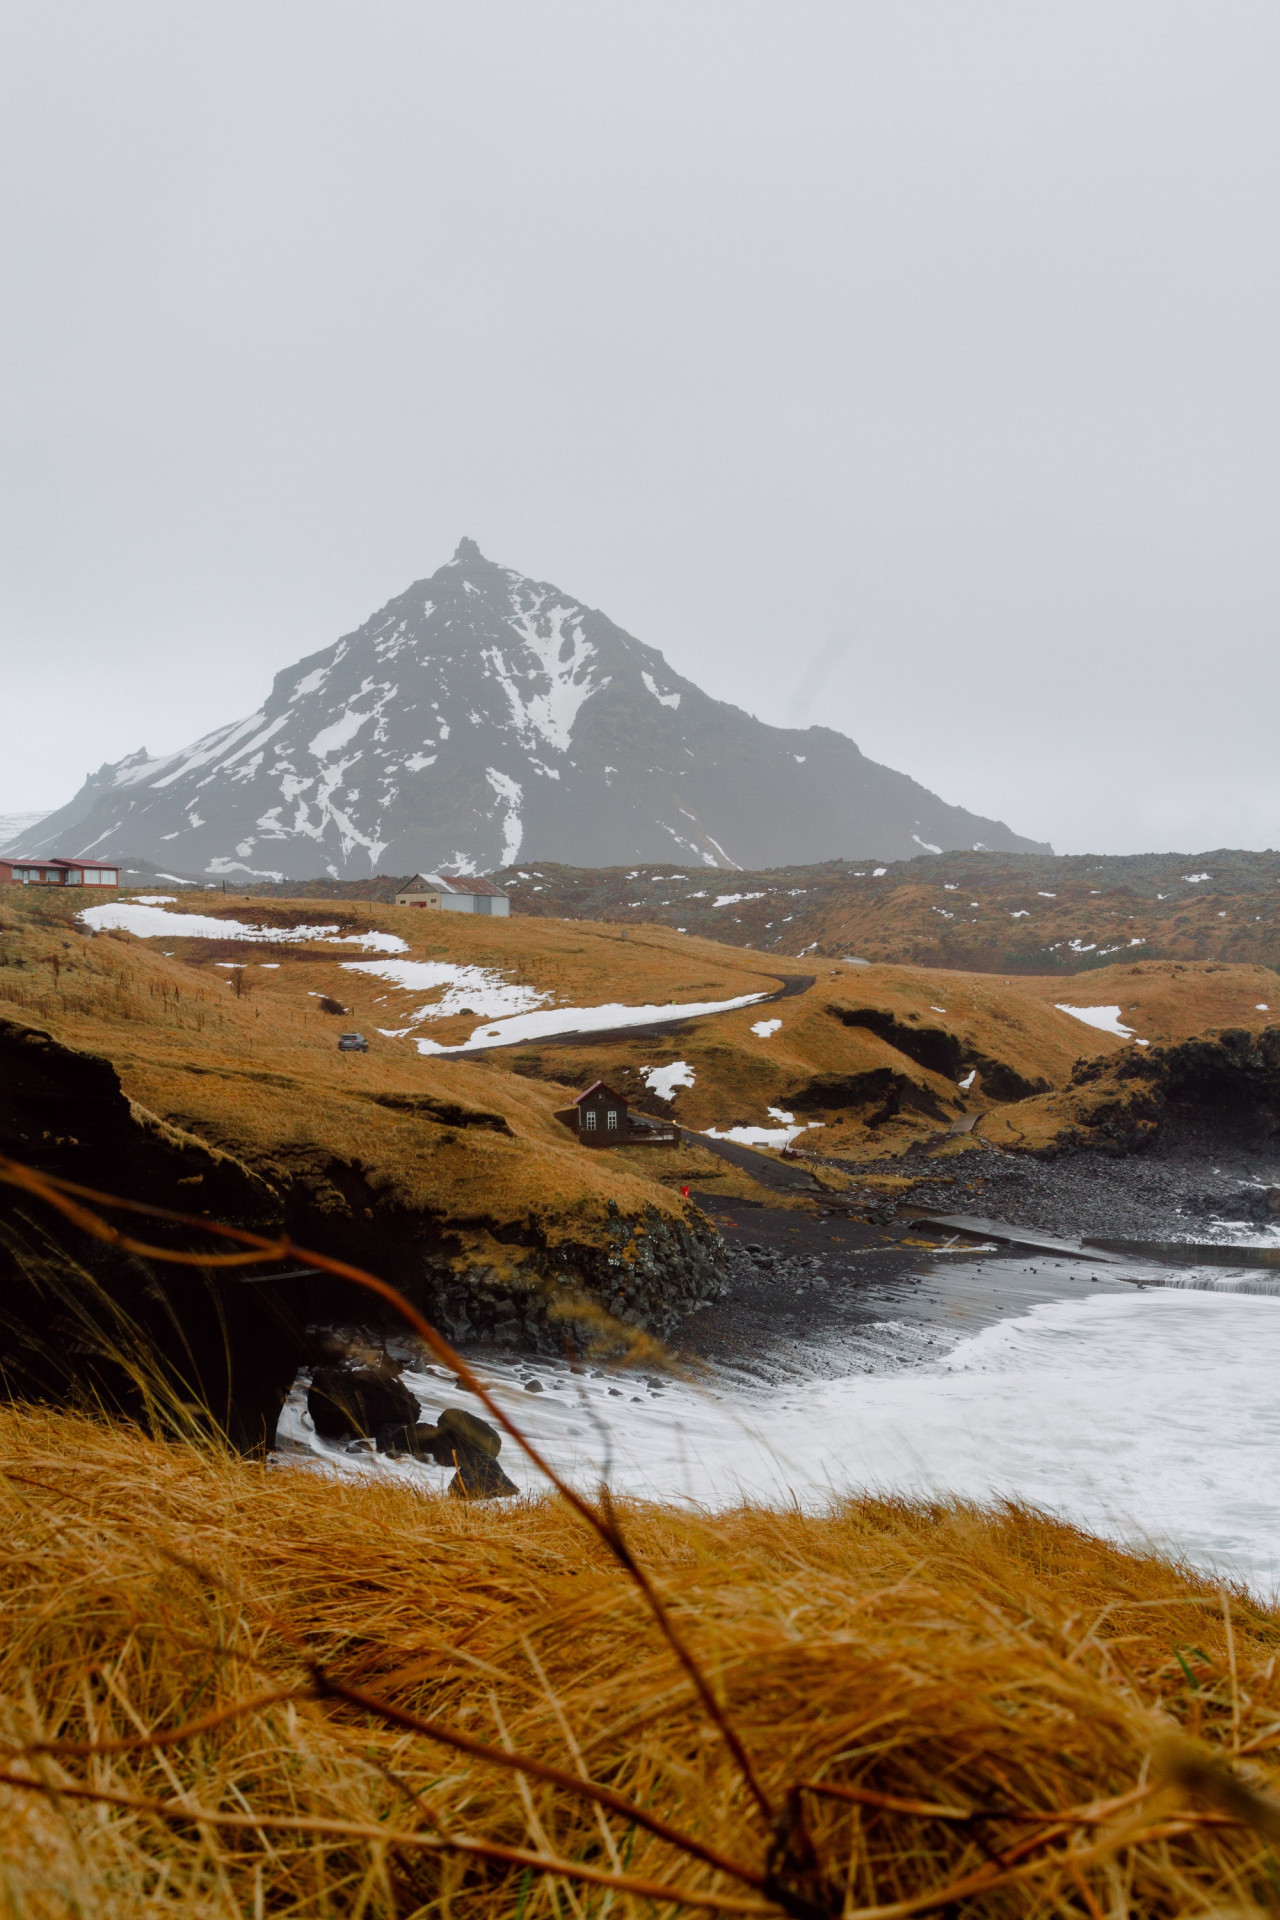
{"x": 454, "y": 893}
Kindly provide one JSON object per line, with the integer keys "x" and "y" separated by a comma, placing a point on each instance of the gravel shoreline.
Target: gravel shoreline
{"x": 812, "y": 1290}
{"x": 1152, "y": 1197}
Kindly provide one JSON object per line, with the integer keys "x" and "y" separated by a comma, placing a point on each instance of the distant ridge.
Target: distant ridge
{"x": 15, "y": 830}
{"x": 482, "y": 717}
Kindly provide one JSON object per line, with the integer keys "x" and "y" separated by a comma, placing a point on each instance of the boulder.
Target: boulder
{"x": 479, "y": 1477}
{"x": 467, "y": 1444}
{"x": 468, "y": 1430}
{"x": 347, "y": 1403}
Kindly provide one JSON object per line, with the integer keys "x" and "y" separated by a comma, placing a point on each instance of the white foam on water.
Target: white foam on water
{"x": 1150, "y": 1416}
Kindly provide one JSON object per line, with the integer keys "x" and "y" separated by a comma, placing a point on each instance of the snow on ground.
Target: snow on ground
{"x": 553, "y": 1020}
{"x": 477, "y": 990}
{"x": 780, "y": 1136}
{"x": 664, "y": 1080}
{"x": 765, "y": 1027}
{"x": 150, "y": 921}
{"x": 732, "y": 899}
{"x": 1108, "y": 1411}
{"x": 1105, "y": 1019}
{"x": 153, "y": 899}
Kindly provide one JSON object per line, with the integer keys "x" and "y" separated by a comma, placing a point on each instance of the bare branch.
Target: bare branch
{"x": 187, "y": 1814}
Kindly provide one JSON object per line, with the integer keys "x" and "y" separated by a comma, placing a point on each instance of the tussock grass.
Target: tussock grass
{"x": 933, "y": 1659}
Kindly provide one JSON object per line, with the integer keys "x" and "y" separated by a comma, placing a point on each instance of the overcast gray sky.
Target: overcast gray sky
{"x": 912, "y": 366}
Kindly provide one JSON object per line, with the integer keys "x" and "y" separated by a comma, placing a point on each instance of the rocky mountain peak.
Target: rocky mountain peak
{"x": 482, "y": 717}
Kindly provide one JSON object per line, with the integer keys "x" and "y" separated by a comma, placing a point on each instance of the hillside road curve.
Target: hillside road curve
{"x": 792, "y": 984}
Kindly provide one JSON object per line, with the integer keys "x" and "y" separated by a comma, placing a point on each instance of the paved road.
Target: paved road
{"x": 770, "y": 1173}
{"x": 792, "y": 984}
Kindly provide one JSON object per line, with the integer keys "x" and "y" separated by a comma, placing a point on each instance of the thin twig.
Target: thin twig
{"x": 538, "y": 1769}
{"x": 63, "y": 1194}
{"x": 1091, "y": 1815}
{"x": 181, "y": 1812}
{"x": 167, "y": 1737}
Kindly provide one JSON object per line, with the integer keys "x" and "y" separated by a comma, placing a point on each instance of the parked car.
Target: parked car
{"x": 352, "y": 1043}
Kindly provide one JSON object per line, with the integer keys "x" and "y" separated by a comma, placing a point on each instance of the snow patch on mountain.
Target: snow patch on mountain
{"x": 509, "y": 794}
{"x": 344, "y": 729}
{"x": 479, "y": 717}
{"x": 663, "y": 699}
{"x": 546, "y": 690}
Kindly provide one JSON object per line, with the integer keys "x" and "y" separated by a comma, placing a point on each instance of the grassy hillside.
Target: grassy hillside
{"x": 983, "y": 912}
{"x": 431, "y": 1167}
{"x": 876, "y": 1056}
{"x": 229, "y": 1041}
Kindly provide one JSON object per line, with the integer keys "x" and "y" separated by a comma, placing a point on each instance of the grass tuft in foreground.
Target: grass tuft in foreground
{"x": 974, "y": 1699}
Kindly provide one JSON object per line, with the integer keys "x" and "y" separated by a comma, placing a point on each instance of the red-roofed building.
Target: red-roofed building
{"x": 18, "y": 871}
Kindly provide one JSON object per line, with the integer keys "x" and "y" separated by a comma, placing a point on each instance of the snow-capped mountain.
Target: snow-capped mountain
{"x": 480, "y": 717}
{"x": 15, "y": 828}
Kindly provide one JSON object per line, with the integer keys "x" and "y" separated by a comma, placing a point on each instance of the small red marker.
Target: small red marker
{"x": 684, "y": 1193}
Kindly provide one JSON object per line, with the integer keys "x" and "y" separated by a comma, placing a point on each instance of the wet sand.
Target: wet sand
{"x": 809, "y": 1290}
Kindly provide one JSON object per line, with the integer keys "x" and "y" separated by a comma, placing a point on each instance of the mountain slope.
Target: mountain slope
{"x": 480, "y": 717}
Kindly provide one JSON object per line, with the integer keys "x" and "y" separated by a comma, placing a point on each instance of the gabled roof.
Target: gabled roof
{"x": 453, "y": 883}
{"x": 598, "y": 1086}
{"x": 56, "y": 860}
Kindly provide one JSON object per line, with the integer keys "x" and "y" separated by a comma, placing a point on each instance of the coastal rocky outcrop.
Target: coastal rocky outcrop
{"x": 471, "y": 1446}
{"x": 84, "y": 1320}
{"x": 353, "y": 1402}
{"x": 648, "y": 1274}
{"x": 81, "y": 1318}
{"x": 1222, "y": 1085}
{"x": 356, "y": 1401}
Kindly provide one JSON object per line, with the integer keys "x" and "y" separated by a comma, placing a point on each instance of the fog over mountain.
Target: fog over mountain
{"x": 483, "y": 717}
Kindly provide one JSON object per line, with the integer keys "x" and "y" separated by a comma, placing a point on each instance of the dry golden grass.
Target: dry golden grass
{"x": 259, "y": 1073}
{"x": 739, "y": 1074}
{"x": 948, "y": 1659}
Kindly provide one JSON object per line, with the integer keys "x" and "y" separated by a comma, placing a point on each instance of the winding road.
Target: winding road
{"x": 792, "y": 984}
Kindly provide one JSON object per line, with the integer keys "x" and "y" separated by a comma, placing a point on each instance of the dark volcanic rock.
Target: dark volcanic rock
{"x": 1222, "y": 1086}
{"x": 479, "y": 1477}
{"x": 84, "y": 1322}
{"x": 464, "y": 1429}
{"x": 355, "y": 1402}
{"x": 479, "y": 717}
{"x": 471, "y": 1446}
